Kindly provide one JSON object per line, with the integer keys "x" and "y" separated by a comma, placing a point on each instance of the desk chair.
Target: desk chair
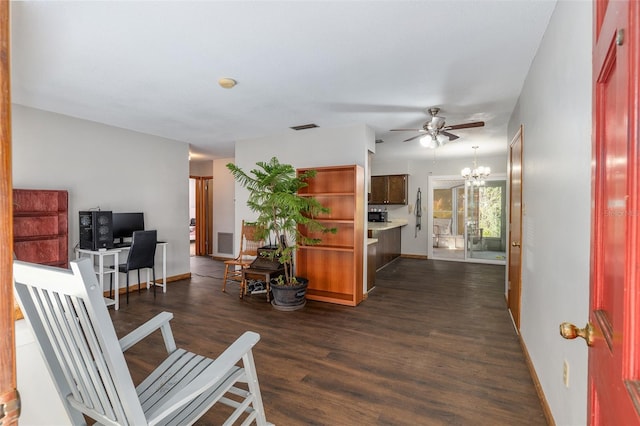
{"x": 142, "y": 254}
{"x": 249, "y": 244}
{"x": 66, "y": 312}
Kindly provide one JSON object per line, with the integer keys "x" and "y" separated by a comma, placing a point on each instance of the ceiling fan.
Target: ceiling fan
{"x": 436, "y": 127}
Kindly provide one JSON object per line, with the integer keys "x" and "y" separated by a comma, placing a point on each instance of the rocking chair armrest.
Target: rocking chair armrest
{"x": 210, "y": 376}
{"x": 160, "y": 321}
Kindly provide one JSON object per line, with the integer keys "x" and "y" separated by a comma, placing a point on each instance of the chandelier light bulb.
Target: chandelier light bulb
{"x": 477, "y": 175}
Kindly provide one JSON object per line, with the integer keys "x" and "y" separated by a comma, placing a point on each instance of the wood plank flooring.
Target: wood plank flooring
{"x": 432, "y": 345}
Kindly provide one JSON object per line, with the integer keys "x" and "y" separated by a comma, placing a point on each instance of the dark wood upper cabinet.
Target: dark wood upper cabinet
{"x": 389, "y": 189}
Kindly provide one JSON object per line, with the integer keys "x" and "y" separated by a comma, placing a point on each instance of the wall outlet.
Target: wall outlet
{"x": 565, "y": 373}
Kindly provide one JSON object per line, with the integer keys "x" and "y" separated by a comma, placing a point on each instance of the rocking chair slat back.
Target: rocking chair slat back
{"x": 70, "y": 321}
{"x": 78, "y": 336}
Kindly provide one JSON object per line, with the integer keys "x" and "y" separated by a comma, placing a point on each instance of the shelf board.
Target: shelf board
{"x": 325, "y": 220}
{"x": 325, "y": 247}
{"x": 39, "y": 213}
{"x": 38, "y": 238}
{"x": 330, "y": 296}
{"x": 326, "y": 194}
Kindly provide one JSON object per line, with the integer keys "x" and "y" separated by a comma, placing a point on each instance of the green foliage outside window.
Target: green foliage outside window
{"x": 490, "y": 201}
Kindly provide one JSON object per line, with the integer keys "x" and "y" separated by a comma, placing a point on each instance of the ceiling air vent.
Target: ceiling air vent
{"x": 379, "y": 141}
{"x": 304, "y": 126}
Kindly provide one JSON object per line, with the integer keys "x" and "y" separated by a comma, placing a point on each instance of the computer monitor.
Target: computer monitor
{"x": 124, "y": 224}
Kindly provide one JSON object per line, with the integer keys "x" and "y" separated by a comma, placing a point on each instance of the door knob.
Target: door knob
{"x": 570, "y": 331}
{"x": 516, "y": 244}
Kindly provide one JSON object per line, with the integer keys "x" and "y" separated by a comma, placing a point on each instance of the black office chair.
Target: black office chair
{"x": 142, "y": 255}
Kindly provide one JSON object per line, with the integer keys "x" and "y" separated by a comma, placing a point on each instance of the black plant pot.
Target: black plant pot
{"x": 289, "y": 297}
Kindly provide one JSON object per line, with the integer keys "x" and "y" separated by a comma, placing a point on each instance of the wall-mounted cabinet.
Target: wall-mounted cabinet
{"x": 389, "y": 189}
{"x": 334, "y": 268}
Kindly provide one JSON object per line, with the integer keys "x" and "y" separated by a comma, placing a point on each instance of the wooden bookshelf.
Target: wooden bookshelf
{"x": 334, "y": 268}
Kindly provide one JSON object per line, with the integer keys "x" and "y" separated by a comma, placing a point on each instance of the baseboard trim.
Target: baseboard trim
{"x": 142, "y": 285}
{"x": 415, "y": 256}
{"x": 536, "y": 382}
{"x": 221, "y": 258}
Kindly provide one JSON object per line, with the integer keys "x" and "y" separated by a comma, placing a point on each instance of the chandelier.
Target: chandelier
{"x": 477, "y": 175}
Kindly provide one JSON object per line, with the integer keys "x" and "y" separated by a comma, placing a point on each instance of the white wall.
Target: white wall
{"x": 41, "y": 403}
{"x": 419, "y": 172}
{"x": 555, "y": 109}
{"x": 308, "y": 148}
{"x": 223, "y": 203}
{"x": 200, "y": 168}
{"x": 106, "y": 167}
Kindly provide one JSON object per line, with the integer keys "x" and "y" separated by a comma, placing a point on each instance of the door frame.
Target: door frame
{"x": 204, "y": 218}
{"x": 8, "y": 384}
{"x": 514, "y": 243}
{"x": 431, "y": 183}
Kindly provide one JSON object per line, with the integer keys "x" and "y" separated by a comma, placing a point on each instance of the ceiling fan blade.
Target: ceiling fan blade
{"x": 451, "y": 136}
{"x": 407, "y": 130}
{"x": 410, "y": 139}
{"x": 464, "y": 125}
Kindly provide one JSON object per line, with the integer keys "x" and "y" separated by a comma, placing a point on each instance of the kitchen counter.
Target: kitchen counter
{"x": 389, "y": 243}
{"x": 383, "y": 226}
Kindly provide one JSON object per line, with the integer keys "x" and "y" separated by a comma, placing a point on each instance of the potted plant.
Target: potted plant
{"x": 273, "y": 195}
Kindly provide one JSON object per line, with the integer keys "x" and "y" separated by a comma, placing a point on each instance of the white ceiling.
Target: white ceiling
{"x": 153, "y": 66}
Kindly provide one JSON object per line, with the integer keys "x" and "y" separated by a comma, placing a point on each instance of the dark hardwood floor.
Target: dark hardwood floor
{"x": 432, "y": 345}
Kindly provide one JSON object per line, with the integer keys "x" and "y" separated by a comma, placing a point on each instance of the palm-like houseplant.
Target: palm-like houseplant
{"x": 273, "y": 195}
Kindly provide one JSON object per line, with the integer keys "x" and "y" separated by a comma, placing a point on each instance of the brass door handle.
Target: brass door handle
{"x": 516, "y": 244}
{"x": 570, "y": 331}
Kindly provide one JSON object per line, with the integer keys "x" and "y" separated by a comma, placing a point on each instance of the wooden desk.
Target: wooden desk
{"x": 267, "y": 274}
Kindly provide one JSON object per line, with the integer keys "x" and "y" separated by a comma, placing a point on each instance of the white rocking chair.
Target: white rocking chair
{"x": 69, "y": 318}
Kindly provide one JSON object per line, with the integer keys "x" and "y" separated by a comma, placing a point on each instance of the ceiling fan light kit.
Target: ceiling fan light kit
{"x": 432, "y": 141}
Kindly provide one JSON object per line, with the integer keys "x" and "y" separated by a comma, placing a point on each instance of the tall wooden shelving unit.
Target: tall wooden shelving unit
{"x": 334, "y": 268}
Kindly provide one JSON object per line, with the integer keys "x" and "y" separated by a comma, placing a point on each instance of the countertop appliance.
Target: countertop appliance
{"x": 378, "y": 217}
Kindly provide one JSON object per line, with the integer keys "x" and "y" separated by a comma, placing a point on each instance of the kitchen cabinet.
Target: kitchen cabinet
{"x": 372, "y": 245}
{"x": 389, "y": 189}
{"x": 334, "y": 267}
{"x": 389, "y": 243}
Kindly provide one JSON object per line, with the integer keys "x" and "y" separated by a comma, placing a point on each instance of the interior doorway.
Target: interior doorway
{"x": 469, "y": 222}
{"x": 201, "y": 215}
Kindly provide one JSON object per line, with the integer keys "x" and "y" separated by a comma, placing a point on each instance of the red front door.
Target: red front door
{"x": 614, "y": 367}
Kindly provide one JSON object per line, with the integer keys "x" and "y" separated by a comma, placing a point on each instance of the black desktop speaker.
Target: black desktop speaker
{"x": 96, "y": 230}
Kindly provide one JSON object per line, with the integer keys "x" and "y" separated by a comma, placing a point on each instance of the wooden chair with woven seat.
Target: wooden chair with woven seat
{"x": 249, "y": 244}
